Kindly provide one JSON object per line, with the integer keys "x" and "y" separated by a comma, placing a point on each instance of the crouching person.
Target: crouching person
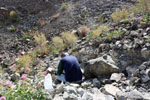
{"x": 71, "y": 68}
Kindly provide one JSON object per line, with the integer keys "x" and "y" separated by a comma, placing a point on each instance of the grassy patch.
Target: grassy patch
{"x": 96, "y": 33}
{"x": 111, "y": 34}
{"x": 119, "y": 15}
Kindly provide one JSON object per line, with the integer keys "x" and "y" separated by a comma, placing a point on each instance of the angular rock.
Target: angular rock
{"x": 97, "y": 95}
{"x": 101, "y": 96}
{"x": 111, "y": 90}
{"x": 68, "y": 96}
{"x": 80, "y": 91}
{"x": 87, "y": 96}
{"x": 96, "y": 83}
{"x": 70, "y": 89}
{"x": 145, "y": 53}
{"x": 60, "y": 88}
{"x": 117, "y": 76}
{"x": 100, "y": 66}
{"x": 133, "y": 95}
{"x": 86, "y": 84}
{"x": 130, "y": 70}
{"x": 134, "y": 33}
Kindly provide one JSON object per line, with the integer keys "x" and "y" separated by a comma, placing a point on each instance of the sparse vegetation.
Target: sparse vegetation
{"x": 142, "y": 6}
{"x": 103, "y": 41}
{"x": 119, "y": 15}
{"x": 57, "y": 41}
{"x": 101, "y": 19}
{"x": 95, "y": 33}
{"x": 11, "y": 28}
{"x": 77, "y": 5}
{"x": 29, "y": 59}
{"x": 24, "y": 62}
{"x": 64, "y": 6}
{"x": 40, "y": 39}
{"x": 57, "y": 45}
{"x": 69, "y": 39}
{"x": 27, "y": 35}
{"x": 111, "y": 34}
{"x": 84, "y": 14}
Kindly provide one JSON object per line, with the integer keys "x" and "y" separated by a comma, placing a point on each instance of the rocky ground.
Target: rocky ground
{"x": 113, "y": 70}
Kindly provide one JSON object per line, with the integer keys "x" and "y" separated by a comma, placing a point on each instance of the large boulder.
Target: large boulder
{"x": 100, "y": 66}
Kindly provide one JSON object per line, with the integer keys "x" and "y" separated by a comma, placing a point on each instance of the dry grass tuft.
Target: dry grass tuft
{"x": 96, "y": 33}
{"x": 69, "y": 39}
{"x": 84, "y": 31}
{"x": 40, "y": 39}
{"x": 119, "y": 15}
{"x": 57, "y": 41}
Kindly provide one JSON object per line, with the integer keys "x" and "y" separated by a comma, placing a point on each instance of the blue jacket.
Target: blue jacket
{"x": 71, "y": 67}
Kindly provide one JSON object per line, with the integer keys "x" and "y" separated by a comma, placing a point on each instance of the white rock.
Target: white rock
{"x": 60, "y": 88}
{"x": 101, "y": 96}
{"x": 57, "y": 97}
{"x": 87, "y": 96}
{"x": 68, "y": 96}
{"x": 110, "y": 89}
{"x": 132, "y": 95}
{"x": 116, "y": 76}
{"x": 80, "y": 91}
{"x": 70, "y": 89}
{"x": 86, "y": 84}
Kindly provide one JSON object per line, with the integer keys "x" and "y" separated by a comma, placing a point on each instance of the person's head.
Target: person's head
{"x": 64, "y": 54}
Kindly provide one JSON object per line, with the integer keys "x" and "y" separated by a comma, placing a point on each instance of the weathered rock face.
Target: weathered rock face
{"x": 133, "y": 95}
{"x": 100, "y": 66}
